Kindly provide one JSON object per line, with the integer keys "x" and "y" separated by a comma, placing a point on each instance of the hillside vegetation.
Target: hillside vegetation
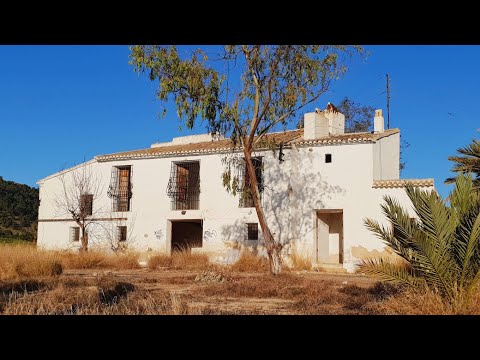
{"x": 18, "y": 210}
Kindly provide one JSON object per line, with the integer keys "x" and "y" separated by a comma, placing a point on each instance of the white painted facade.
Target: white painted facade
{"x": 351, "y": 186}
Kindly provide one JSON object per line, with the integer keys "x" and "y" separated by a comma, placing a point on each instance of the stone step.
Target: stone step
{"x": 329, "y": 268}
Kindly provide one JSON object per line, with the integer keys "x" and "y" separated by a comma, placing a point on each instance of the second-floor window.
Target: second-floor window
{"x": 245, "y": 193}
{"x": 120, "y": 189}
{"x": 86, "y": 204}
{"x": 184, "y": 185}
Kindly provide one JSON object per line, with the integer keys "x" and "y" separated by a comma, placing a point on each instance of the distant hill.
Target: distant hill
{"x": 18, "y": 210}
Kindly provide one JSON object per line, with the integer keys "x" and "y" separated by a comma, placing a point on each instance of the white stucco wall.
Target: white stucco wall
{"x": 386, "y": 158}
{"x": 294, "y": 191}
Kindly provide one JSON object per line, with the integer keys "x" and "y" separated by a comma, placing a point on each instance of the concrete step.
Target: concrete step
{"x": 329, "y": 268}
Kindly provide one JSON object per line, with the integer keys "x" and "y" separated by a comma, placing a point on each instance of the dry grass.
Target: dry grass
{"x": 29, "y": 284}
{"x": 103, "y": 296}
{"x": 242, "y": 294}
{"x": 99, "y": 260}
{"x": 306, "y": 296}
{"x": 425, "y": 302}
{"x": 250, "y": 263}
{"x": 98, "y": 296}
{"x": 159, "y": 261}
{"x": 300, "y": 263}
{"x": 180, "y": 260}
{"x": 19, "y": 261}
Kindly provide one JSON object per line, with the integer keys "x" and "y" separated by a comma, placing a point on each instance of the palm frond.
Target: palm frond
{"x": 391, "y": 272}
{"x": 467, "y": 161}
{"x": 461, "y": 195}
{"x": 441, "y": 247}
{"x": 467, "y": 247}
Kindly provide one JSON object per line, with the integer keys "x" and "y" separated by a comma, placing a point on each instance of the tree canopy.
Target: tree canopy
{"x": 358, "y": 118}
{"x": 467, "y": 161}
{"x": 275, "y": 82}
{"x": 243, "y": 92}
{"x": 18, "y": 210}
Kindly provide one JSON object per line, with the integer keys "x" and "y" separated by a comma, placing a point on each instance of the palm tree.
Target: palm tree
{"x": 467, "y": 162}
{"x": 440, "y": 249}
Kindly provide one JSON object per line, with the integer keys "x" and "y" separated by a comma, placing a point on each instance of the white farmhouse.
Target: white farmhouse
{"x": 172, "y": 195}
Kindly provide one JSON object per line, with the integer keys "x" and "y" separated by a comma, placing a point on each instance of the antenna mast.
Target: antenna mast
{"x": 388, "y": 102}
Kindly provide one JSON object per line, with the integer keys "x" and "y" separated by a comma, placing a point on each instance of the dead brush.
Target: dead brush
{"x": 180, "y": 260}
{"x": 425, "y": 302}
{"x": 102, "y": 296}
{"x": 300, "y": 263}
{"x": 189, "y": 261}
{"x": 159, "y": 261}
{"x": 125, "y": 261}
{"x": 99, "y": 260}
{"x": 263, "y": 286}
{"x": 21, "y": 261}
{"x": 248, "y": 262}
{"x": 214, "y": 276}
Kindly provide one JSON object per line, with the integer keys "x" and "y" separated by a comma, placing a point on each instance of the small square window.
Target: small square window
{"x": 122, "y": 233}
{"x": 74, "y": 234}
{"x": 328, "y": 158}
{"x": 252, "y": 231}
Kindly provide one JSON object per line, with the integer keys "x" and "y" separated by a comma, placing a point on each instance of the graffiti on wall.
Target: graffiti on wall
{"x": 159, "y": 234}
{"x": 209, "y": 235}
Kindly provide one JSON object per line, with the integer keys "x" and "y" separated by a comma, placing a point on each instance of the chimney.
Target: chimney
{"x": 336, "y": 120}
{"x": 315, "y": 125}
{"x": 323, "y": 123}
{"x": 378, "y": 122}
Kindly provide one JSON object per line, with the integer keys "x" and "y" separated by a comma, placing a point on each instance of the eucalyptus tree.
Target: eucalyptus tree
{"x": 243, "y": 92}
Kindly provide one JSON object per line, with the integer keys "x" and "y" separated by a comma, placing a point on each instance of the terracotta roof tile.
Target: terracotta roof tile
{"x": 347, "y": 138}
{"x": 206, "y": 147}
{"x": 195, "y": 148}
{"x": 402, "y": 183}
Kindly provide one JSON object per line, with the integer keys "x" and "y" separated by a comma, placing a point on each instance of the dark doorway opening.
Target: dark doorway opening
{"x": 186, "y": 235}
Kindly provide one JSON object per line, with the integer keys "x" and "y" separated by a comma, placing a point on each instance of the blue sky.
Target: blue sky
{"x": 60, "y": 105}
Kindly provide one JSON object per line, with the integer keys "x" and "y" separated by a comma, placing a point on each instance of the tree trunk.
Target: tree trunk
{"x": 273, "y": 248}
{"x": 84, "y": 239}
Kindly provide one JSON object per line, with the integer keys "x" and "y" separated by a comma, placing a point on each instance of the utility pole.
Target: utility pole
{"x": 388, "y": 102}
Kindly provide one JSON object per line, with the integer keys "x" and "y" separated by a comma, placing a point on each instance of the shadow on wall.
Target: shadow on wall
{"x": 292, "y": 195}
{"x": 293, "y": 190}
{"x": 235, "y": 242}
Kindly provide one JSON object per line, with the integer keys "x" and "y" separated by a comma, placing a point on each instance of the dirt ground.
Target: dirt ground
{"x": 247, "y": 293}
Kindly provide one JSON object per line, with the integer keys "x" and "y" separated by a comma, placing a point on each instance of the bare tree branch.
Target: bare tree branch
{"x": 81, "y": 188}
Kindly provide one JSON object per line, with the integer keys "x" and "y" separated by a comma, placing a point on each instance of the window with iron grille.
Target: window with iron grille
{"x": 252, "y": 231}
{"x": 120, "y": 189}
{"x": 74, "y": 233}
{"x": 121, "y": 233}
{"x": 86, "y": 204}
{"x": 184, "y": 185}
{"x": 246, "y": 198}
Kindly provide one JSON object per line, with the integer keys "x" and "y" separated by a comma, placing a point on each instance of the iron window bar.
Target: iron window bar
{"x": 120, "y": 188}
{"x": 183, "y": 186}
{"x": 243, "y": 185}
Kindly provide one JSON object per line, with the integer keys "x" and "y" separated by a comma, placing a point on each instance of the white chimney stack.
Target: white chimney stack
{"x": 378, "y": 122}
{"x": 315, "y": 125}
{"x": 336, "y": 120}
{"x": 323, "y": 123}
